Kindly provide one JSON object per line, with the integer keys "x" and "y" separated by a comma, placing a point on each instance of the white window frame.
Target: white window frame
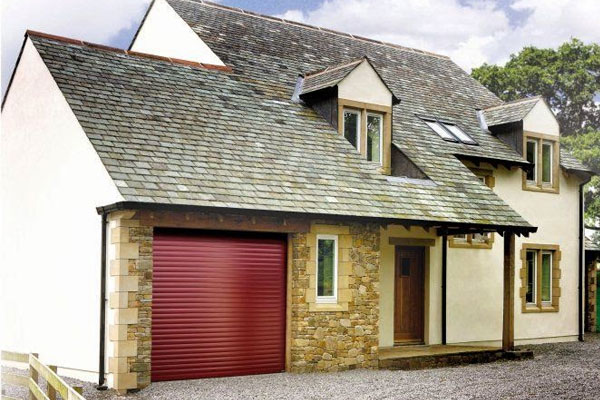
{"x": 547, "y": 142}
{"x": 327, "y": 299}
{"x": 380, "y": 116}
{"x": 461, "y": 135}
{"x": 358, "y": 124}
{"x": 440, "y": 130}
{"x": 535, "y": 160}
{"x": 535, "y": 273}
{"x": 547, "y": 302}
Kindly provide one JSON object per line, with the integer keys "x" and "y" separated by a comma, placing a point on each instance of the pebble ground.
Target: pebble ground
{"x": 558, "y": 371}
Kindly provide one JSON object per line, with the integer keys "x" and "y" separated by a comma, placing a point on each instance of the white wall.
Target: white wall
{"x": 541, "y": 120}
{"x": 51, "y": 181}
{"x": 166, "y": 34}
{"x": 364, "y": 85}
{"x": 475, "y": 276}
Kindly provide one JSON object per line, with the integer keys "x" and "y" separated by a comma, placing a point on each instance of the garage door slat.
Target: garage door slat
{"x": 218, "y": 304}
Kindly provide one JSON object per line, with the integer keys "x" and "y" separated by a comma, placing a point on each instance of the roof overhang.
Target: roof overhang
{"x": 495, "y": 162}
{"x": 440, "y": 227}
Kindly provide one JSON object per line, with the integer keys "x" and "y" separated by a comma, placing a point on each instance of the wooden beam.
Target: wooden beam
{"x": 396, "y": 241}
{"x": 198, "y": 220}
{"x": 508, "y": 320}
{"x": 15, "y": 357}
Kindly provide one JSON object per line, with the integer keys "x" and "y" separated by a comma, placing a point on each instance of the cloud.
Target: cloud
{"x": 469, "y": 31}
{"x": 105, "y": 22}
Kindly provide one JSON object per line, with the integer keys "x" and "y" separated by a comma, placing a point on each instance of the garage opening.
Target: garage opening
{"x": 218, "y": 304}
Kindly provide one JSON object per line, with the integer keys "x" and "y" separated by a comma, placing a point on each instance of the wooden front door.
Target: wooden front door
{"x": 409, "y": 295}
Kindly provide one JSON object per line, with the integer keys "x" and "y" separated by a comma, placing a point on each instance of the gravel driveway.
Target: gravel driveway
{"x": 566, "y": 371}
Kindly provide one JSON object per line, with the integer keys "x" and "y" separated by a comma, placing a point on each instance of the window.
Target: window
{"x": 540, "y": 274}
{"x": 369, "y": 128}
{"x": 444, "y": 133}
{"x": 449, "y": 131}
{"x": 374, "y": 137}
{"x": 462, "y": 136}
{"x": 352, "y": 127}
{"x": 532, "y": 158}
{"x": 542, "y": 153}
{"x": 546, "y": 162}
{"x": 327, "y": 249}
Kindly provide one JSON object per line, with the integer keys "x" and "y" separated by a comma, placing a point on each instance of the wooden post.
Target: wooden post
{"x": 508, "y": 320}
{"x": 33, "y": 374}
{"x": 50, "y": 391}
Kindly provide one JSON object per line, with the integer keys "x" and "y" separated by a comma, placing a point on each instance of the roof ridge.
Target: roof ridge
{"x": 508, "y": 103}
{"x": 317, "y": 28}
{"x": 98, "y": 46}
{"x": 334, "y": 68}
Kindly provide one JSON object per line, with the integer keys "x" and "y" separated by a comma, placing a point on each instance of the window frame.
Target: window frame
{"x": 535, "y": 160}
{"x": 539, "y": 185}
{"x": 358, "y": 113}
{"x": 534, "y": 288}
{"x": 385, "y": 164}
{"x": 327, "y": 299}
{"x": 449, "y": 135}
{"x": 381, "y": 119}
{"x": 540, "y": 305}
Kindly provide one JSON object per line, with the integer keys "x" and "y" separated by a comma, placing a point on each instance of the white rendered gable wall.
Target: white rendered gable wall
{"x": 364, "y": 85}
{"x": 541, "y": 120}
{"x": 166, "y": 34}
{"x": 51, "y": 181}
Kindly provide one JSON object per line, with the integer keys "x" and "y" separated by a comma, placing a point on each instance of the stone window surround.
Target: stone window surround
{"x": 364, "y": 109}
{"x": 539, "y": 186}
{"x": 556, "y": 275}
{"x": 344, "y": 270}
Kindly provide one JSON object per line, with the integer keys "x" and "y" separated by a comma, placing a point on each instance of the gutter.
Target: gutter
{"x": 102, "y": 351}
{"x": 581, "y": 258}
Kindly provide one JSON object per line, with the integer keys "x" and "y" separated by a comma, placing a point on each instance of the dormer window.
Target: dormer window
{"x": 352, "y": 127}
{"x": 449, "y": 131}
{"x": 542, "y": 152}
{"x": 374, "y": 137}
{"x": 354, "y": 98}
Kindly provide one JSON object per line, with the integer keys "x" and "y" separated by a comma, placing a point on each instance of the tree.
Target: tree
{"x": 568, "y": 78}
{"x": 586, "y": 147}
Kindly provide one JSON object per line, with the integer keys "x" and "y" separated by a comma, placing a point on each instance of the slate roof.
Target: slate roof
{"x": 177, "y": 134}
{"x": 570, "y": 163}
{"x": 509, "y": 112}
{"x": 328, "y": 77}
{"x": 591, "y": 246}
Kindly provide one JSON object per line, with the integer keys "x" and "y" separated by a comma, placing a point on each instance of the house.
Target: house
{"x": 592, "y": 272}
{"x": 247, "y": 195}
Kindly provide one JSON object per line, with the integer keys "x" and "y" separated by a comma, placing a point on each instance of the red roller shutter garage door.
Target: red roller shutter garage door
{"x": 218, "y": 304}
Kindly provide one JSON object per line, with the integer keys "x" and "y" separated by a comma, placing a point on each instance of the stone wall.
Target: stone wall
{"x": 346, "y": 337}
{"x": 591, "y": 286}
{"x": 130, "y": 301}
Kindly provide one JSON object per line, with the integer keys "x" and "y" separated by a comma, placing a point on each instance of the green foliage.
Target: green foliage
{"x": 586, "y": 147}
{"x": 568, "y": 78}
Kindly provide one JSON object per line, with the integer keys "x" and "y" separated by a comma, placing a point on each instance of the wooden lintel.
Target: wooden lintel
{"x": 198, "y": 220}
{"x": 508, "y": 309}
{"x": 396, "y": 241}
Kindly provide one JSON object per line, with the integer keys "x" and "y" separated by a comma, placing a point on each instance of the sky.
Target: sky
{"x": 471, "y": 32}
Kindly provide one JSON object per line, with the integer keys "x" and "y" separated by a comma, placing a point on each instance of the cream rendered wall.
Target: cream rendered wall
{"x": 433, "y": 279}
{"x": 166, "y": 34}
{"x": 541, "y": 120}
{"x": 51, "y": 181}
{"x": 364, "y": 85}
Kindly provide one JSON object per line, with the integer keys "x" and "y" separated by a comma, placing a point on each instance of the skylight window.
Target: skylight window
{"x": 449, "y": 132}
{"x": 456, "y": 131}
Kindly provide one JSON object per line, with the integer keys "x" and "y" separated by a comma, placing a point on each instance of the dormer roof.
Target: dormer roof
{"x": 333, "y": 75}
{"x": 510, "y": 112}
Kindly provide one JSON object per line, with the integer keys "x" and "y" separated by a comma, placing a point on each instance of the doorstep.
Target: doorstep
{"x": 437, "y": 356}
